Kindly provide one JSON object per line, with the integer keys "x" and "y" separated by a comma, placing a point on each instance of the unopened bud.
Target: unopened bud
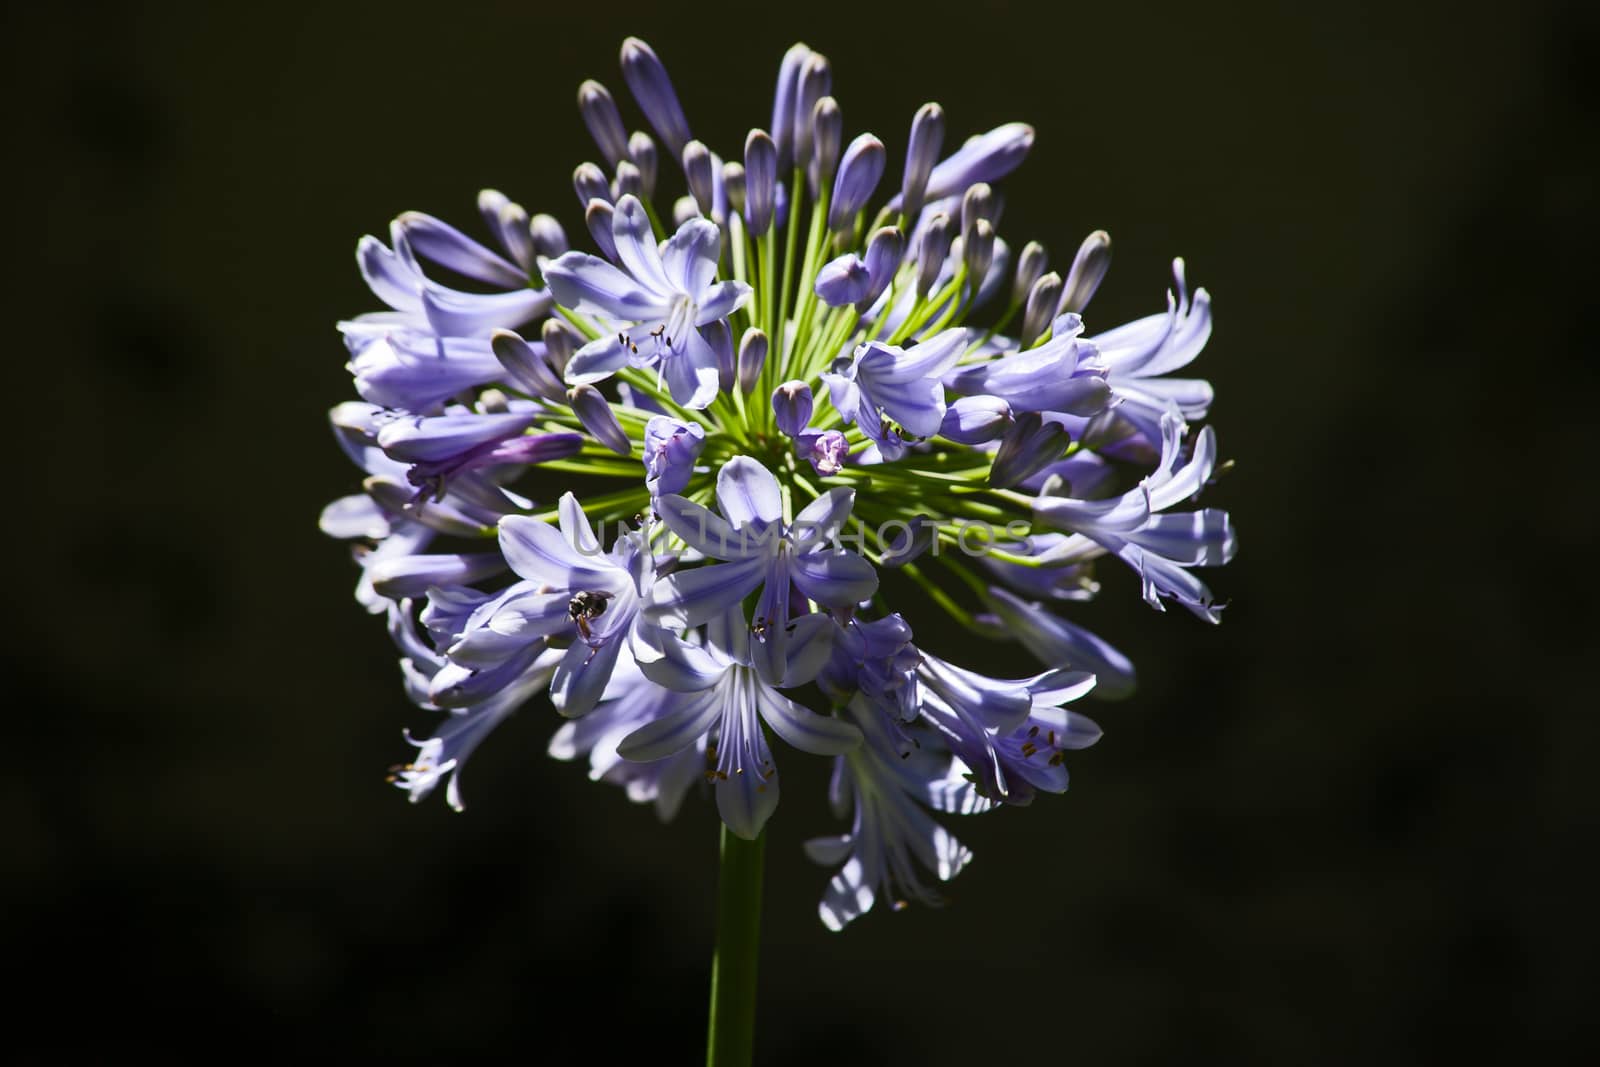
{"x": 589, "y": 182}
{"x": 1089, "y": 267}
{"x": 697, "y": 167}
{"x": 1041, "y": 308}
{"x": 827, "y": 134}
{"x": 597, "y": 217}
{"x": 549, "y": 239}
{"x": 642, "y": 151}
{"x": 937, "y": 237}
{"x": 752, "y": 357}
{"x": 922, "y": 152}
{"x": 600, "y": 114}
{"x": 590, "y": 405}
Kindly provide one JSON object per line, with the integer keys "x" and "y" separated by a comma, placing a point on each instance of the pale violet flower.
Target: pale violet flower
{"x": 698, "y": 492}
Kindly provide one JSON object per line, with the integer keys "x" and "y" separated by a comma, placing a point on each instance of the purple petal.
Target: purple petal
{"x": 538, "y": 552}
{"x": 691, "y": 597}
{"x": 747, "y": 493}
{"x": 721, "y": 300}
{"x": 456, "y": 314}
{"x": 647, "y": 79}
{"x": 700, "y": 528}
{"x": 821, "y": 735}
{"x": 820, "y": 521}
{"x": 635, "y": 241}
{"x": 582, "y": 675}
{"x": 843, "y": 281}
{"x": 693, "y": 376}
{"x": 683, "y": 718}
{"x": 450, "y": 248}
{"x": 597, "y": 361}
{"x": 690, "y": 258}
{"x": 837, "y": 579}
{"x": 589, "y": 283}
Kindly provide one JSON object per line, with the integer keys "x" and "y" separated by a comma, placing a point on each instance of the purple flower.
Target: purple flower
{"x": 442, "y": 446}
{"x": 1160, "y": 547}
{"x": 397, "y": 277}
{"x": 886, "y": 790}
{"x": 570, "y": 587}
{"x": 670, "y": 449}
{"x": 763, "y": 553}
{"x": 826, "y": 450}
{"x": 1062, "y": 374}
{"x": 876, "y": 660}
{"x": 714, "y": 687}
{"x": 630, "y": 701}
{"x": 444, "y": 755}
{"x": 894, "y": 393}
{"x": 666, "y": 296}
{"x": 1010, "y": 735}
{"x": 677, "y": 646}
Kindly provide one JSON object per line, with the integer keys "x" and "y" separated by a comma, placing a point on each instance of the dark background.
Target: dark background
{"x": 1354, "y": 821}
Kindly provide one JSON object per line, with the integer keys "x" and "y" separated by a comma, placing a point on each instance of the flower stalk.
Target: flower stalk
{"x": 730, "y": 1037}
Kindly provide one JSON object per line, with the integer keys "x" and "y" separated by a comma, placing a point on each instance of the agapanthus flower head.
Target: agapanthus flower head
{"x": 789, "y": 462}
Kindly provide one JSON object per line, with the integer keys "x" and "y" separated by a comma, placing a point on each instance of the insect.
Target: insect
{"x": 584, "y": 608}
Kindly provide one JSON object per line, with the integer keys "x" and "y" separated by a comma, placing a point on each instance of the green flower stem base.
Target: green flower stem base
{"x": 731, "y": 1035}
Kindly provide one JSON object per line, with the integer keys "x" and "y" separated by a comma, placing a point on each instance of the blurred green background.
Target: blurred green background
{"x": 1353, "y": 822}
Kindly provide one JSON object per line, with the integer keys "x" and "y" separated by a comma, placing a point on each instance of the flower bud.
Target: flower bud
{"x": 982, "y": 159}
{"x": 600, "y": 114}
{"x": 843, "y": 281}
{"x": 590, "y": 405}
{"x": 589, "y": 182}
{"x": 791, "y": 403}
{"x": 683, "y": 209}
{"x": 974, "y": 420}
{"x": 883, "y": 260}
{"x": 549, "y": 239}
{"x": 783, "y": 104}
{"x": 1089, "y": 266}
{"x": 509, "y": 222}
{"x": 859, "y": 172}
{"x": 529, "y": 369}
{"x": 937, "y": 237}
{"x": 719, "y": 336}
{"x": 922, "y": 151}
{"x": 978, "y": 253}
{"x": 1042, "y": 301}
{"x": 978, "y": 203}
{"x": 628, "y": 182}
{"x": 393, "y": 495}
{"x": 908, "y": 540}
{"x": 1030, "y": 265}
{"x": 760, "y": 181}
{"x": 597, "y": 217}
{"x": 752, "y": 356}
{"x": 559, "y": 343}
{"x": 733, "y": 186}
{"x": 1028, "y": 447}
{"x": 816, "y": 80}
{"x": 827, "y": 132}
{"x": 697, "y": 167}
{"x": 398, "y": 577}
{"x": 642, "y": 151}
{"x": 647, "y": 80}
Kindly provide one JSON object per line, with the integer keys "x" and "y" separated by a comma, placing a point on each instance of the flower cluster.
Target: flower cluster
{"x": 805, "y": 433}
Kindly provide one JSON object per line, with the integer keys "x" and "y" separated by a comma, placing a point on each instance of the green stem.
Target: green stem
{"x": 731, "y": 1036}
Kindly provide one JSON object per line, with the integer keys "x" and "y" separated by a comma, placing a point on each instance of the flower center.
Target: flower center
{"x": 669, "y": 336}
